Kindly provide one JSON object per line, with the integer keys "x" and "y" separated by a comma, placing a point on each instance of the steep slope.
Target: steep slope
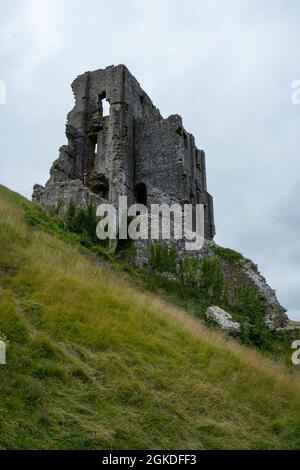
{"x": 93, "y": 362}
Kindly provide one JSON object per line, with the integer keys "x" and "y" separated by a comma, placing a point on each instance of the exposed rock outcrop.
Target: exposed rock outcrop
{"x": 275, "y": 316}
{"x": 240, "y": 284}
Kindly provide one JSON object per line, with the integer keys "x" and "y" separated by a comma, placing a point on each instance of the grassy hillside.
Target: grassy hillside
{"x": 94, "y": 362}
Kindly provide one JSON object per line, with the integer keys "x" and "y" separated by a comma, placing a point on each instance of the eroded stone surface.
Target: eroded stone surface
{"x": 275, "y": 316}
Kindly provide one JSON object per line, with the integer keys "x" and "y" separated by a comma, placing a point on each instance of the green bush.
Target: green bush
{"x": 228, "y": 255}
{"x": 205, "y": 274}
{"x": 162, "y": 258}
{"x": 256, "y": 334}
{"x": 82, "y": 221}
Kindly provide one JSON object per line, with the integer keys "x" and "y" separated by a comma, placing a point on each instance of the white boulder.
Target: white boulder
{"x": 223, "y": 319}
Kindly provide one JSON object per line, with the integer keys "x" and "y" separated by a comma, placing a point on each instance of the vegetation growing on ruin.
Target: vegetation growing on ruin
{"x": 162, "y": 258}
{"x": 202, "y": 284}
{"x": 228, "y": 255}
{"x": 82, "y": 221}
{"x": 193, "y": 272}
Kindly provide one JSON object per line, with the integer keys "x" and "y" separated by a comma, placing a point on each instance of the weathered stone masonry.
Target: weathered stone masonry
{"x": 133, "y": 151}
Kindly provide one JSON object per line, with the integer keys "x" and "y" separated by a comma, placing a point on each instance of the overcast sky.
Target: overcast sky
{"x": 226, "y": 66}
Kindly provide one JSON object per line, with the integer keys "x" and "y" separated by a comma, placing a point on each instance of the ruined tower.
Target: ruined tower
{"x": 132, "y": 151}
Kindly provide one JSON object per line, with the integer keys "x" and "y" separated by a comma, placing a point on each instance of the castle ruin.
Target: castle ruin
{"x": 132, "y": 151}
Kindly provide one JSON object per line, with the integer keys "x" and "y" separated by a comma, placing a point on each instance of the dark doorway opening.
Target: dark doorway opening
{"x": 140, "y": 192}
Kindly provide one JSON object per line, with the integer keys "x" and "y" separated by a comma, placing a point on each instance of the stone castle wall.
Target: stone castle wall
{"x": 132, "y": 151}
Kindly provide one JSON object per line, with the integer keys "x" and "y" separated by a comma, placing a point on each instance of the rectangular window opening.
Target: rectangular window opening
{"x": 104, "y": 104}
